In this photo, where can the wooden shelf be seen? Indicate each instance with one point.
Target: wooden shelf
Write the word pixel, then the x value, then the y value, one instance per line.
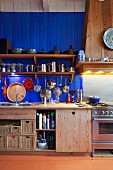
pixel 95 67
pixel 46 129
pixel 65 56
pixel 37 73
pixel 35 57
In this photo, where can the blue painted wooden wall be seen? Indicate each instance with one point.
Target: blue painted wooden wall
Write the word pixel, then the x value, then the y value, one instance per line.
pixel 42 30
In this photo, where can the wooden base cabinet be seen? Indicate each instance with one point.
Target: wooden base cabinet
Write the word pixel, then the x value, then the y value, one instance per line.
pixel 73 130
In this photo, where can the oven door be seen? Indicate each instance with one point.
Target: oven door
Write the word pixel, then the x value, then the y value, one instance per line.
pixel 102 129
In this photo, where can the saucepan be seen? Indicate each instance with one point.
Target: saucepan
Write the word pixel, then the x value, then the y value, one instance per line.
pixel 94 99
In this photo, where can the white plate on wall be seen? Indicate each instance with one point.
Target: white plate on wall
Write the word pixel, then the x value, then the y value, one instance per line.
pixel 108 38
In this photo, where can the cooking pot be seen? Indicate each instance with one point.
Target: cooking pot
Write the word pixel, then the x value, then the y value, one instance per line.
pixel 94 99
pixel 31 51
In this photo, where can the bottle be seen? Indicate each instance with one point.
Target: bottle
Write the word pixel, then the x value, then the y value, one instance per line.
pixel 72 98
pixel 52 122
pixel 68 99
pixel 78 96
pixel 48 119
pixel 40 121
pixel 37 120
pixel 44 121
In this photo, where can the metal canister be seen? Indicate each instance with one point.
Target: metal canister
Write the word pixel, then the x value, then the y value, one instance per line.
pixel 19 67
pixel 43 67
pixel 53 66
pixel 13 67
pixel 61 67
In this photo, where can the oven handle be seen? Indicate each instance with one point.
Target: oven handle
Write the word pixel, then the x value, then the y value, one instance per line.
pixel 99 119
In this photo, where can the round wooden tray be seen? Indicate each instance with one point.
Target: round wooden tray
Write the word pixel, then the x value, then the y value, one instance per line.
pixel 16 89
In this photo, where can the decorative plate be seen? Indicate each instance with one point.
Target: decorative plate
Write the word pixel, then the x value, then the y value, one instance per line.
pixel 108 38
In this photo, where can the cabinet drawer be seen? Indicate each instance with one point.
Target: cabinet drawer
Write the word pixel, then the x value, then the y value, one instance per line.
pixel 5 129
pixel 27 142
pixel 28 126
pixel 2 142
pixel 17 113
pixel 13 142
pixel 15 129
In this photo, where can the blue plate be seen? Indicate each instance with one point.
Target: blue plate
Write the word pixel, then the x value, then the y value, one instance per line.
pixel 108 38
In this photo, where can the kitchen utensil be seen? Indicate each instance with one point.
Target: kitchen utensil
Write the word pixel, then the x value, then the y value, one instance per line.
pixel 61 67
pixel 57 91
pixel 17 50
pixel 8 67
pixel 3 67
pixel 31 51
pixel 60 84
pixel 15 89
pixel 94 99
pixel 70 81
pixel 20 67
pixel 13 67
pixel 51 84
pixel 42 51
pixel 65 89
pixel 70 50
pixel 51 67
pixel 28 83
pixel 37 88
pixel 5 89
pixel 55 51
pixel 45 92
pixel 43 67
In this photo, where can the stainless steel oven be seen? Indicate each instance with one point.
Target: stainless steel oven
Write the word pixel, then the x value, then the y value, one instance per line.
pixel 102 127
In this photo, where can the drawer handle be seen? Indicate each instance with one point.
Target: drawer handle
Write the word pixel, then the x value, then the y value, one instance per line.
pixel 73 113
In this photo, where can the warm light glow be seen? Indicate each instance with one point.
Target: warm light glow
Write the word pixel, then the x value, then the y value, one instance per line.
pixel 87 72
pixel 13 74
pixel 99 72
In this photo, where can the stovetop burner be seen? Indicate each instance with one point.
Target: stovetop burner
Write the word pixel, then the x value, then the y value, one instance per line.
pixel 102 110
pixel 100 104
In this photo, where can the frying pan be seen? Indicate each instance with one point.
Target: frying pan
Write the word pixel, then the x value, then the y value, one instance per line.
pixel 15 89
pixel 45 92
pixel 65 89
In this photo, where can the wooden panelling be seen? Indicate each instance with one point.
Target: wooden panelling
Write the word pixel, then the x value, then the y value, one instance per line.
pixel 73 130
pixel 42 30
pixel 17 113
pixel 99 20
pixel 39 6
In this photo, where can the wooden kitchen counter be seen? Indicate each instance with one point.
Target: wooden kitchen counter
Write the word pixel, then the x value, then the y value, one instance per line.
pixel 38 105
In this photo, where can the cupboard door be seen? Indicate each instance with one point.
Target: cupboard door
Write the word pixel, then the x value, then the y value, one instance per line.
pixel 73 130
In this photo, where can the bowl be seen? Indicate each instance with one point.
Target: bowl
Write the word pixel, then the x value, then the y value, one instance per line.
pixel 42 145
pixel 94 99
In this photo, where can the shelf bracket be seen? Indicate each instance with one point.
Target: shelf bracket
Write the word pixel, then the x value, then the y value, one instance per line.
pixel 72 76
pixel 35 60
pixel 35 76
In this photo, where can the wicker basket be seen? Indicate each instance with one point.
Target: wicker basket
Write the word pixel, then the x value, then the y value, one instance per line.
pixel 27 142
pixel 5 130
pixel 2 142
pixel 15 129
pixel 13 142
pixel 27 126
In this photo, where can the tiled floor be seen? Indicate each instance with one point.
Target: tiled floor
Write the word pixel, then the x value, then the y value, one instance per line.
pixel 9 162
